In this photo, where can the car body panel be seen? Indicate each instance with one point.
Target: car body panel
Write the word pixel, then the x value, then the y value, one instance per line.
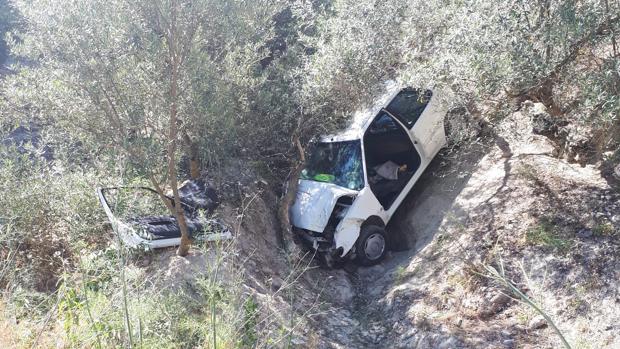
pixel 348 230
pixel 428 132
pixel 315 202
pixel 129 235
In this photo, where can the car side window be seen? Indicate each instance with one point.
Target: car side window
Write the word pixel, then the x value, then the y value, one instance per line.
pixel 383 123
pixel 409 104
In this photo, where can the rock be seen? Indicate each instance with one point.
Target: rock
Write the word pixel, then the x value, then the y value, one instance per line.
pixel 276 283
pixel 448 343
pixel 500 299
pixel 298 341
pixel 617 171
pixel 494 305
pixel 537 323
pixel 508 343
pixel 584 233
pixel 542 122
pixel 341 289
pixel 376 270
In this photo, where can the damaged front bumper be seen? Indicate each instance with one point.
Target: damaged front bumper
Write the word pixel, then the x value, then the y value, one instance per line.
pixel 312 240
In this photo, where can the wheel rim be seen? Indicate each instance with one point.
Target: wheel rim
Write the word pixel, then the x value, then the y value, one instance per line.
pixel 374 246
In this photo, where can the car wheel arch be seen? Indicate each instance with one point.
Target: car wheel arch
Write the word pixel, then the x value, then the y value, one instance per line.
pixel 373 220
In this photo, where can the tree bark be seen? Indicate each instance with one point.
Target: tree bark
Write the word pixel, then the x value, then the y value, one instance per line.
pixel 194 160
pixel 291 193
pixel 613 32
pixel 173 135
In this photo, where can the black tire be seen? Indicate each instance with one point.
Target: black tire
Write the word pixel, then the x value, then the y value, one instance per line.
pixel 368 248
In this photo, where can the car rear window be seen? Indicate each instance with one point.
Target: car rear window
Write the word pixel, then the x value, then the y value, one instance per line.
pixel 409 104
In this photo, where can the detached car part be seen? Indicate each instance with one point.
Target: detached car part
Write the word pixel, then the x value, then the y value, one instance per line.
pixel 146 229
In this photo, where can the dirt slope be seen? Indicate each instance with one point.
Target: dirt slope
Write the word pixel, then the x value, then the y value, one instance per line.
pixel 554 226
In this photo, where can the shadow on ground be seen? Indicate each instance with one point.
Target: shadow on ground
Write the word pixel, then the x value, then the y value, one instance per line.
pixel 419 217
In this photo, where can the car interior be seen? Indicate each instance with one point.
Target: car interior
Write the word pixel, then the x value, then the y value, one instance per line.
pixel 387 141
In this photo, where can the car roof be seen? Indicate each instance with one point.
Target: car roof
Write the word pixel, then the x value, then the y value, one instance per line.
pixel 363 117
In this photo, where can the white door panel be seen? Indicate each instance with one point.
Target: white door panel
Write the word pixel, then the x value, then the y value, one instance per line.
pixel 428 131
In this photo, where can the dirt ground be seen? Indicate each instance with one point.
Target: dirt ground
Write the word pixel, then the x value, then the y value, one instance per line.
pixel 553 226
pixel 502 200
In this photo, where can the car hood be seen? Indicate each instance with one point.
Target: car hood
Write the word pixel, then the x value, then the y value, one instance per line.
pixel 314 204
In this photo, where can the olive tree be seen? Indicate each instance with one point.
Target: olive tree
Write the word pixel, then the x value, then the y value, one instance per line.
pixel 480 49
pixel 145 79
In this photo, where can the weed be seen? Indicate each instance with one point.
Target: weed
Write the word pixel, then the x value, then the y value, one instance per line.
pixel 604 229
pixel 250 337
pixel 546 234
pixel 468 278
pixel 576 304
pixel 423 322
pixel 443 238
pixel 499 275
pixel 527 172
pixel 400 274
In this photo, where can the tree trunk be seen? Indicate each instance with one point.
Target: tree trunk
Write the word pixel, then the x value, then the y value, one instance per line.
pixel 291 193
pixel 173 135
pixel 194 162
pixel 613 33
pixel 543 90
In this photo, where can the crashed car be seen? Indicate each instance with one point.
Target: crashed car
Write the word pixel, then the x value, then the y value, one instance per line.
pixel 142 220
pixel 354 181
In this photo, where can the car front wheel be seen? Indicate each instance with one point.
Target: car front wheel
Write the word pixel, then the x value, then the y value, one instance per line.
pixel 370 247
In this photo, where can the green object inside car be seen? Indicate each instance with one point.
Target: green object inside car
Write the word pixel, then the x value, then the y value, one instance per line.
pixel 323 177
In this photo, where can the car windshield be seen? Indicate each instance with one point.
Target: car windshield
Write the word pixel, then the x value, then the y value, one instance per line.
pixel 339 163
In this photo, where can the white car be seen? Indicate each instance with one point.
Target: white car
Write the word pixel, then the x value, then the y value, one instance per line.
pixel 354 181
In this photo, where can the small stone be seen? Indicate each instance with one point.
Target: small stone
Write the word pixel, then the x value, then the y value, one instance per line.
pixel 276 283
pixel 298 341
pixel 537 322
pixel 508 343
pixel 584 233
pixel 448 343
pixel 500 299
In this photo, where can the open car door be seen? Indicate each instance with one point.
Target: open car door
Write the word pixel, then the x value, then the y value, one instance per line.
pixel 422 112
pixel 140 218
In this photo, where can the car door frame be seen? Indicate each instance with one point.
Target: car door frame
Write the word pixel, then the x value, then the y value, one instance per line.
pixel 428 130
pixel 423 164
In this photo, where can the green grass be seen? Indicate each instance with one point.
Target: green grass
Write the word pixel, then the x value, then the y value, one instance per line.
pixel 400 274
pixel 547 235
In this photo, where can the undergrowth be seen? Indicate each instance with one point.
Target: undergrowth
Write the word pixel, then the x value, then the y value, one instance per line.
pixel 66 283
